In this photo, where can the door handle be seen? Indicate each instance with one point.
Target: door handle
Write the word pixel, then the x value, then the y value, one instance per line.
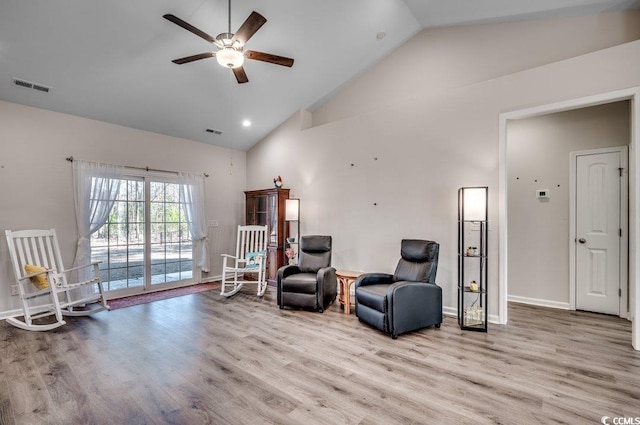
pixel 582 240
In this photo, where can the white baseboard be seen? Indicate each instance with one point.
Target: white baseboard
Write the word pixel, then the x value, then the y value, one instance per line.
pixel 10 313
pixel 450 311
pixel 210 279
pixel 539 302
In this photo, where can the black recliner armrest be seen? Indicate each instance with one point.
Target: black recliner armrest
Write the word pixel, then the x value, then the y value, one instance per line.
pixel 288 270
pixel 327 284
pixel 407 289
pixel 326 277
pixel 283 272
pixel 415 298
pixel 373 279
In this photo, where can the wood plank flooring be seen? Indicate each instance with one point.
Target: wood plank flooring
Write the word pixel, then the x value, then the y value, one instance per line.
pixel 205 359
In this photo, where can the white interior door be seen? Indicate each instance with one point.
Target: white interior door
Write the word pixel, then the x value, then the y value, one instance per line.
pixel 598 232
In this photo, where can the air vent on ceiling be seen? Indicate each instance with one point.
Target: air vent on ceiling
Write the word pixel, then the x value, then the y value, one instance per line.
pixel 214 131
pixel 29 85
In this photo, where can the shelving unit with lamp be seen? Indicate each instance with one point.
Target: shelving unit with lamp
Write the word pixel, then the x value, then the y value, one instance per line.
pixel 472 257
pixel 292 214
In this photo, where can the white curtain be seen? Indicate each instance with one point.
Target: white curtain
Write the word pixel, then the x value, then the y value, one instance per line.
pixel 192 191
pixel 96 187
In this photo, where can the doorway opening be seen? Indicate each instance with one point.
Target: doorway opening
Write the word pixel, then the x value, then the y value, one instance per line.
pixel 632 94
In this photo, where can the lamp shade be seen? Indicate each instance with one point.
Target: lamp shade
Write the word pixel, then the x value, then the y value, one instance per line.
pixel 475 203
pixel 292 210
pixel 230 57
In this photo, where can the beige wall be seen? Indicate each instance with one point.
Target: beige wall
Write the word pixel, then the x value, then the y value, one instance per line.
pixel 35 179
pixel 538 152
pixel 429 142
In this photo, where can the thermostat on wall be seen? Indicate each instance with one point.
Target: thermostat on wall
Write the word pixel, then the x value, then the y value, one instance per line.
pixel 542 193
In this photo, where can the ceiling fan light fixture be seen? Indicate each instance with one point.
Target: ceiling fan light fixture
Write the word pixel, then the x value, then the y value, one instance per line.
pixel 230 57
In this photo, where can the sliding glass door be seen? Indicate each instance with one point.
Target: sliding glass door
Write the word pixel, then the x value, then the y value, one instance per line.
pixel 146 242
pixel 170 242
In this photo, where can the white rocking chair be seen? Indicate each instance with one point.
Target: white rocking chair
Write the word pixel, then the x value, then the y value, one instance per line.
pixel 48 281
pixel 251 257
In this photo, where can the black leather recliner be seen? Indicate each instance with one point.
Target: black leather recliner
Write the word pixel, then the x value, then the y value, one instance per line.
pixel 407 300
pixel 312 284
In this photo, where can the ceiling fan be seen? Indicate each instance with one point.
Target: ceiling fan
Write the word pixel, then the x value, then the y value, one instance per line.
pixel 230 53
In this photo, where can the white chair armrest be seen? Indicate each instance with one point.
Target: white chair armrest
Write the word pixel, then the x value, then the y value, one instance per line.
pixel 29 276
pixel 81 267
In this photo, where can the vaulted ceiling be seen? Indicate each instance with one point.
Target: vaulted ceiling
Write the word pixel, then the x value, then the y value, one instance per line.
pixel 111 60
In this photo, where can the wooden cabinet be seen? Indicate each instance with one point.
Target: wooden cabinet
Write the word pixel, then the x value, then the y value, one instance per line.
pixel 267 207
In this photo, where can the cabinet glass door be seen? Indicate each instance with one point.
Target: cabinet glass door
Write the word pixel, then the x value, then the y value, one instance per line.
pixel 261 210
pixel 251 211
pixel 273 220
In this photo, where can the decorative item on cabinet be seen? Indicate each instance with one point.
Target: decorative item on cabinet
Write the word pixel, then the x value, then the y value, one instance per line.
pixel 291 255
pixel 267 206
pixel 277 182
pixel 472 257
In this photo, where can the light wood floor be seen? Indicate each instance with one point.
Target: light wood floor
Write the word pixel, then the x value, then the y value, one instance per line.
pixel 203 359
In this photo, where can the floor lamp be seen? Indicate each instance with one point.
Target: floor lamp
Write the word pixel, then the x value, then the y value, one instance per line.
pixel 292 213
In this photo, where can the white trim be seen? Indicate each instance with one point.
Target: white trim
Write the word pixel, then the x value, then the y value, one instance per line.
pixel 538 302
pixel 632 94
pixel 450 311
pixel 210 279
pixel 572 230
pixel 11 313
pixel 624 219
pixel 634 220
pixel 503 251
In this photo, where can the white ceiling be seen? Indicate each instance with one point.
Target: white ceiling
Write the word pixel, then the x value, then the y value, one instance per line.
pixel 111 60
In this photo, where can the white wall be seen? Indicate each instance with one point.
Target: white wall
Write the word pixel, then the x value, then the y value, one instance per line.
pixel 429 142
pixel 35 178
pixel 538 152
pixel 440 59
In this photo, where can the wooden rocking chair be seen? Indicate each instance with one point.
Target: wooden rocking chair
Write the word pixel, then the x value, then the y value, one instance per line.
pixel 251 257
pixel 40 275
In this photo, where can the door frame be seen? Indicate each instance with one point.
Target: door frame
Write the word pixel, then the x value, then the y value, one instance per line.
pixel 633 95
pixel 624 220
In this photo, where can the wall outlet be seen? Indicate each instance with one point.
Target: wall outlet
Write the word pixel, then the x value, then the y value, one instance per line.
pixel 15 290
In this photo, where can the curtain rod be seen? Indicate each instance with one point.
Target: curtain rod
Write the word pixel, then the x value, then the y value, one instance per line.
pixel 70 159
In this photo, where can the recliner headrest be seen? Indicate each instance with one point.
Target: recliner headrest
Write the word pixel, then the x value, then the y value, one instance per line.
pixel 315 243
pixel 417 250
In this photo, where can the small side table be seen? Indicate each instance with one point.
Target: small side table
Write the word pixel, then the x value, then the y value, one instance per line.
pixel 346 278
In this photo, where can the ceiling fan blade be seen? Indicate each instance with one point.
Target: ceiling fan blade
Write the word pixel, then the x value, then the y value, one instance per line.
pixel 193 58
pixel 188 27
pixel 248 28
pixel 268 57
pixel 241 76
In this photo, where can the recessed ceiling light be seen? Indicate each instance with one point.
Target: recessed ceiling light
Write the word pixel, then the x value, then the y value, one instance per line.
pixel 381 35
pixel 246 123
